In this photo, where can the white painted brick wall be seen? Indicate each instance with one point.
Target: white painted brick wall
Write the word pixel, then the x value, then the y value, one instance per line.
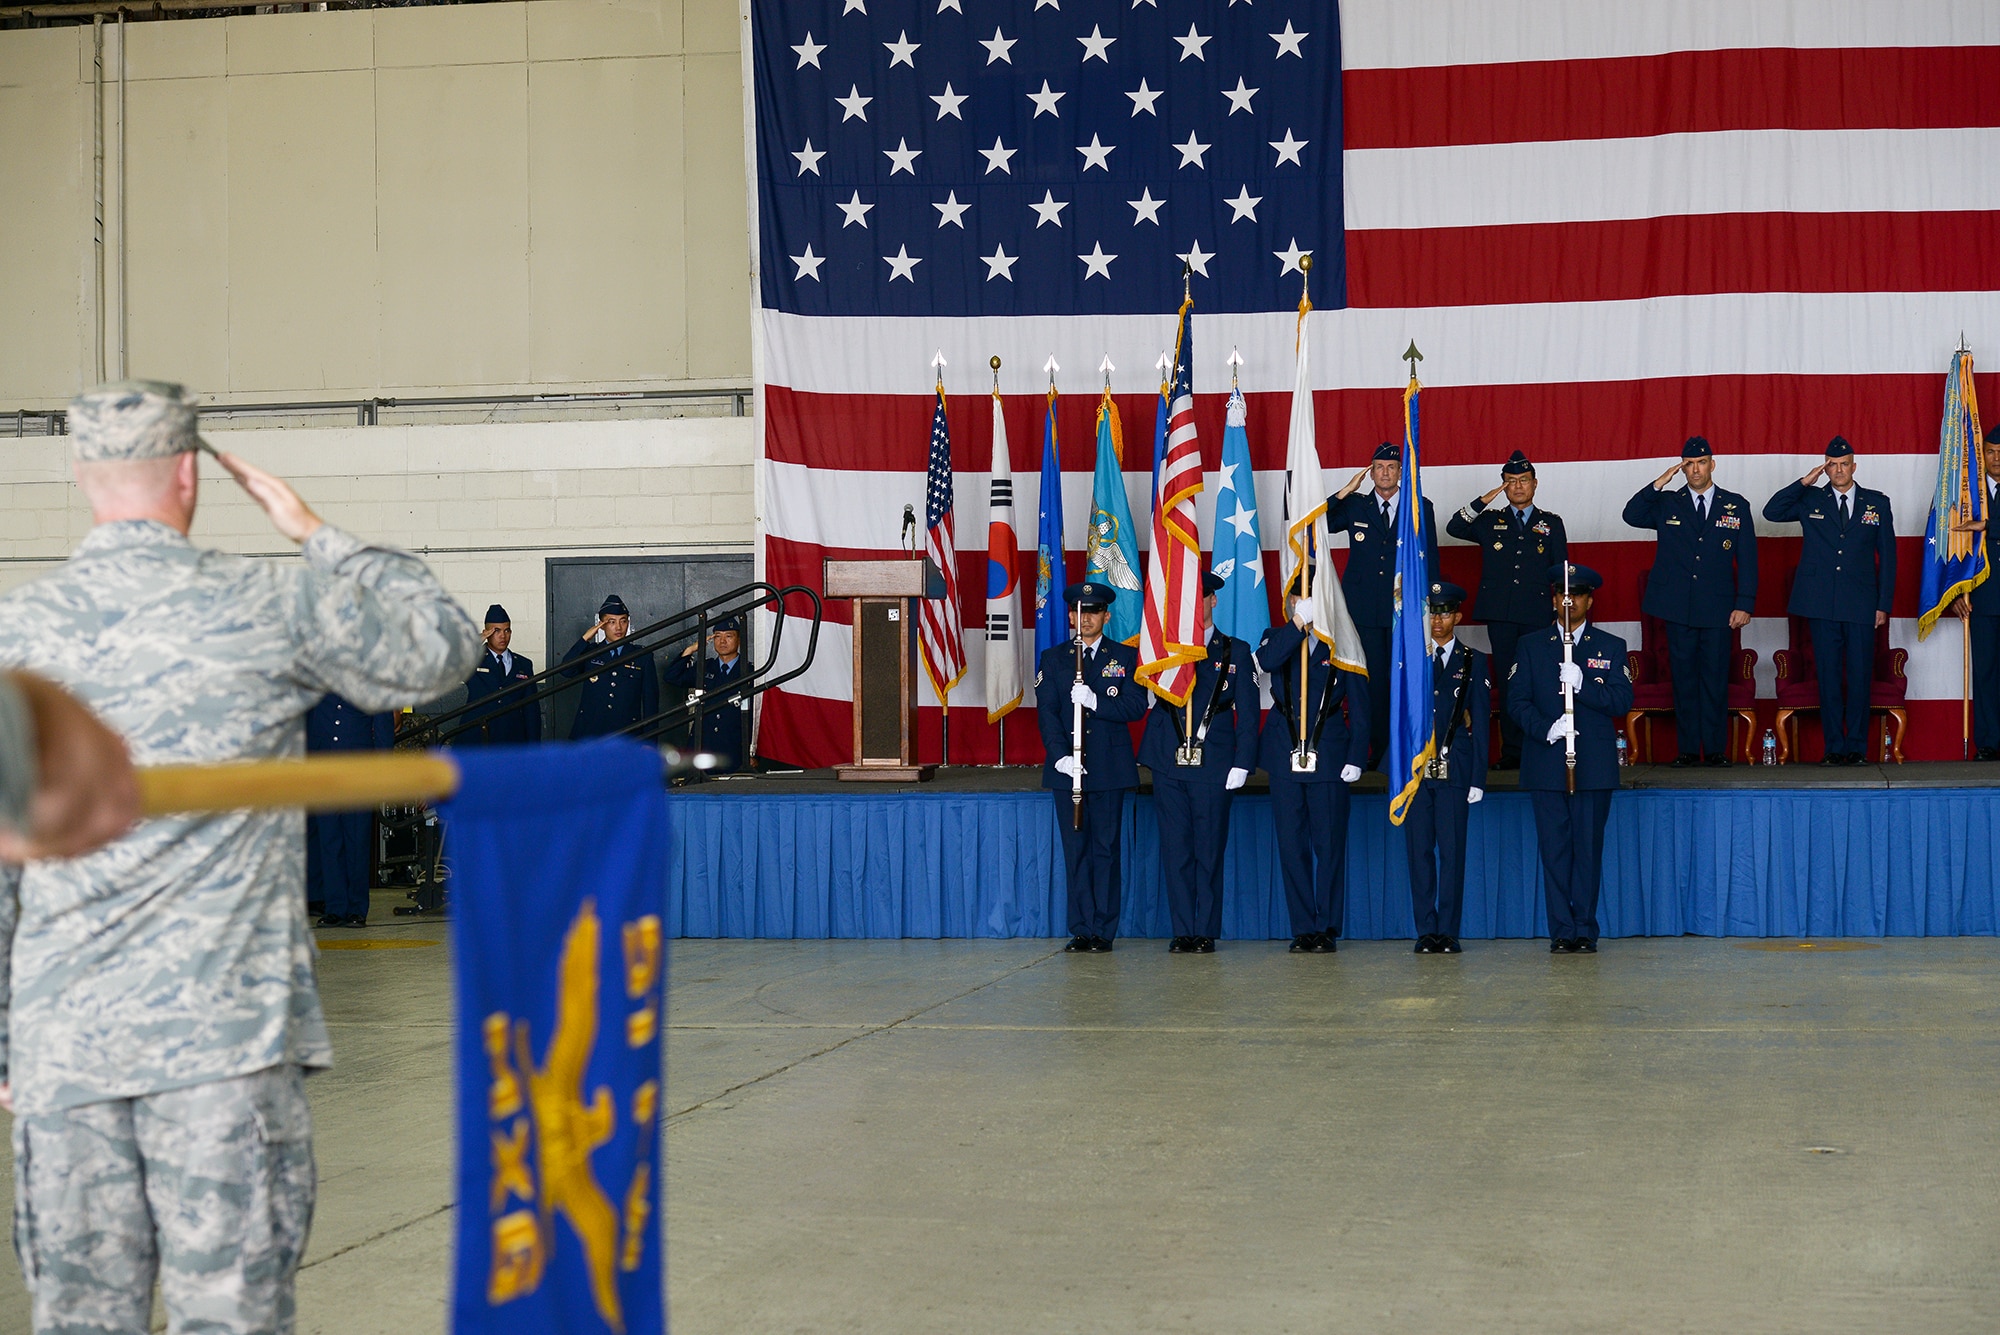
pixel 678 484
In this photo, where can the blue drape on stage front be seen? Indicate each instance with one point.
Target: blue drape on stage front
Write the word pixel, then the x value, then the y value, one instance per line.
pixel 556 855
pixel 1756 862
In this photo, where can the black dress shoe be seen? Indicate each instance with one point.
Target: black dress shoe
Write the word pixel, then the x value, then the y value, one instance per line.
pixel 1832 758
pixel 1302 945
pixel 1583 945
pixel 331 920
pixel 1685 759
pixel 1325 943
pixel 1507 762
pixel 1179 945
pixel 1562 945
pixel 1717 762
pixel 1987 753
pixel 1077 945
pixel 1203 945
pixel 1099 945
pixel 355 920
pixel 1449 946
pixel 1426 945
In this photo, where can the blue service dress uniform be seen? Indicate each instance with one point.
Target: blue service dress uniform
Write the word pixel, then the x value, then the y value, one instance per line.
pixel 622 688
pixel 1369 585
pixel 1570 826
pixel 340 845
pixel 1519 552
pixel 1847 573
pixel 509 722
pixel 1110 770
pixel 1311 809
pixel 1434 825
pixel 1984 627
pixel 1192 802
pixel 1704 568
pixel 722 726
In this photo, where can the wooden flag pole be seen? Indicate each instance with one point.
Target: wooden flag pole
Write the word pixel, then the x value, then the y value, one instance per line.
pixel 1965 687
pixel 317 783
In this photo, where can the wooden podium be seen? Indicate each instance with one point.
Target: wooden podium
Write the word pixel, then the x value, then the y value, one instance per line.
pixel 885 595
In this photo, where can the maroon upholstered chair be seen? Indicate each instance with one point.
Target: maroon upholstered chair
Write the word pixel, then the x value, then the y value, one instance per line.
pixel 1798 688
pixel 1653 686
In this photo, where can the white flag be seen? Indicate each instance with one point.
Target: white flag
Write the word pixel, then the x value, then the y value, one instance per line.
pixel 1305 524
pixel 1003 584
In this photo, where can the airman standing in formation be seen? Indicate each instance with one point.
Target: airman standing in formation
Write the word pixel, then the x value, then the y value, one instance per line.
pixel 516 717
pixel 623 687
pixel 1982 612
pixel 721 726
pixel 1434 827
pixel 1369 581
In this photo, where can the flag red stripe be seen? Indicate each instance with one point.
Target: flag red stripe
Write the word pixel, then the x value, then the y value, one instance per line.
pixel 1680 92
pixel 1680 255
pixel 1747 414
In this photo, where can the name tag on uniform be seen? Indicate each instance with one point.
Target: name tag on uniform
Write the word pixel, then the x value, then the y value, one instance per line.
pixel 482 669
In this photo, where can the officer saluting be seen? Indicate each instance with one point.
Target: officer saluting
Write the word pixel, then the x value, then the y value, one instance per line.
pixel 1520 547
pixel 1369 582
pixel 1569 825
pixel 1434 827
pixel 1846 577
pixel 509 721
pixel 623 687
pixel 1199 755
pixel 722 726
pixel 1703 586
pixel 1309 791
pixel 1099 673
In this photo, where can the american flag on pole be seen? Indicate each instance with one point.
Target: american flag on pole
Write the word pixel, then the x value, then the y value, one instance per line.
pixel 940 628
pixel 1608 226
pixel 1170 638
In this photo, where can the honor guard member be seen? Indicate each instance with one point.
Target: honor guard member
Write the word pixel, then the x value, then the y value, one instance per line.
pixel 1199 755
pixel 516 716
pixel 1569 825
pixel 1369 520
pixel 160 1009
pixel 1520 546
pixel 722 726
pixel 1982 612
pixel 1100 676
pixel 340 845
pixel 1434 826
pixel 1703 586
pixel 1845 580
pixel 1309 792
pixel 622 687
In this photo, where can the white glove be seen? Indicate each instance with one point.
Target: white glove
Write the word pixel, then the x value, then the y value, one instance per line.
pixel 1349 773
pixel 1572 676
pixel 1303 613
pixel 1070 768
pixel 1561 728
pixel 1237 778
pixel 1473 795
pixel 1079 694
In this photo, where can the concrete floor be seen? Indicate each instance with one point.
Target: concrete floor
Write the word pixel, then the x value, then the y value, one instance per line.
pixel 991 1136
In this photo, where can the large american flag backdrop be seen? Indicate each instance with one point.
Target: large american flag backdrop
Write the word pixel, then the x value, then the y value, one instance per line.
pixel 1607 227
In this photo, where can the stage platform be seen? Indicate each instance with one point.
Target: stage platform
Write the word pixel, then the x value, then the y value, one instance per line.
pixel 1875 850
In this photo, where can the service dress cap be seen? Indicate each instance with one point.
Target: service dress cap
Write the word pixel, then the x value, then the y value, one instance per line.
pixel 1697 448
pixel 1211 582
pixel 614 606
pixel 1838 448
pixel 1993 435
pixel 729 624
pixel 1388 453
pixel 1582 579
pixel 1090 594
pixel 132 419
pixel 1517 464
pixel 1446 596
pixel 496 615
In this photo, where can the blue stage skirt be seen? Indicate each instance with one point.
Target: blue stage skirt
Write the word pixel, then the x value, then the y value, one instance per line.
pixel 1758 862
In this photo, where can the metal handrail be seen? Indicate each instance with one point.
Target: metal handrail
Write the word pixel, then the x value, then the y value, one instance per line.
pixel 701 700
pixel 553 681
pixel 367 412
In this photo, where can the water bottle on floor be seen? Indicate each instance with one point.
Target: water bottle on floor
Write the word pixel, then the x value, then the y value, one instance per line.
pixel 1623 757
pixel 1770 746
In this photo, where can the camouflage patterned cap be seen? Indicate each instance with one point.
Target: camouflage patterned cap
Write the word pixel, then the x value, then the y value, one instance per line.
pixel 132 419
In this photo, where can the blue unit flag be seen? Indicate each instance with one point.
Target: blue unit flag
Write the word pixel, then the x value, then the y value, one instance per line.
pixel 1243 607
pixel 1411 745
pixel 1112 545
pixel 1051 576
pixel 560 959
pixel 1954 552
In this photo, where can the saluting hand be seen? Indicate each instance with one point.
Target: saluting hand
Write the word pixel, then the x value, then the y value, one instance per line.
pixel 289 515
pixel 1487 499
pixel 1352 483
pixel 1667 476
pixel 1810 478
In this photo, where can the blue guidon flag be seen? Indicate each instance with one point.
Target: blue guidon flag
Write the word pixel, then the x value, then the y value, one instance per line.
pixel 1411 744
pixel 1954 552
pixel 560 967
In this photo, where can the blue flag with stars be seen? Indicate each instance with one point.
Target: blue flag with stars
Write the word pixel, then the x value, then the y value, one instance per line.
pixel 1243 607
pixel 1051 578
pixel 952 158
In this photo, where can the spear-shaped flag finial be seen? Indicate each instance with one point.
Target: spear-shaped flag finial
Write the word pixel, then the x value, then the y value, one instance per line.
pixel 1105 368
pixel 1051 367
pixel 1235 364
pixel 937 364
pixel 1412 356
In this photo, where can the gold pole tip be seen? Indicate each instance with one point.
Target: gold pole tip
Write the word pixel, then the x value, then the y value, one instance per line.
pixel 995 363
pixel 1305 264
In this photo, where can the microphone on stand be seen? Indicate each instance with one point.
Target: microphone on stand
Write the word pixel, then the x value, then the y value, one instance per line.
pixel 909 528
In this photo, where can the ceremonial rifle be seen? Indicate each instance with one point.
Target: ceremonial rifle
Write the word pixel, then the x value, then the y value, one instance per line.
pixel 1076 740
pixel 1569 696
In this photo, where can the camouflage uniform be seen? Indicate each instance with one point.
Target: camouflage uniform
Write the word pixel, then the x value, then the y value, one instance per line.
pixel 162 994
